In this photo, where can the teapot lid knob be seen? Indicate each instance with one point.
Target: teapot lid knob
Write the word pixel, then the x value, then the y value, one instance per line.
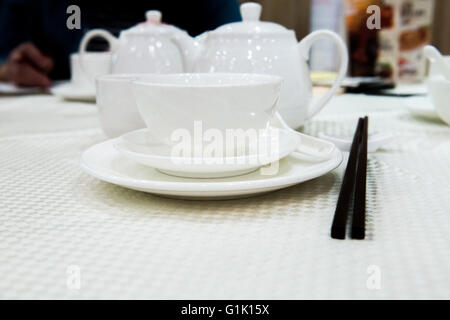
pixel 250 11
pixel 153 16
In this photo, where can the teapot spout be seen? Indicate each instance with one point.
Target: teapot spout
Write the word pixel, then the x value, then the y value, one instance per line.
pixel 189 47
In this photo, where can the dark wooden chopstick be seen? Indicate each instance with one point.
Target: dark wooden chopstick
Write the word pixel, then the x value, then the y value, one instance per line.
pixel 359 206
pixel 345 195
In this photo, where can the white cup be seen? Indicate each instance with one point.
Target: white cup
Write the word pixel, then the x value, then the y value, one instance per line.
pixel 118 113
pixel 439 90
pixel 95 64
pixel 221 101
pixel 434 69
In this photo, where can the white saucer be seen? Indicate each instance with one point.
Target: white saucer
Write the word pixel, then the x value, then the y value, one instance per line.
pixel 421 107
pixel 104 162
pixel 141 147
pixel 70 91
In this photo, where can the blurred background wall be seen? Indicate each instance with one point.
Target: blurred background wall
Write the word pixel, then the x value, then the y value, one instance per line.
pixel 441 27
pixel 295 14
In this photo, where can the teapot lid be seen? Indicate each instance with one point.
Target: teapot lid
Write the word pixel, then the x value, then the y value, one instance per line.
pixel 153 25
pixel 251 24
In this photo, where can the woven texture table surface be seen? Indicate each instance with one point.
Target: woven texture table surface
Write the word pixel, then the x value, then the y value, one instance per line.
pixel 55 219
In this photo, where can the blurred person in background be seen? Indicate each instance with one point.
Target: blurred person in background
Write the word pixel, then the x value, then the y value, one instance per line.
pixel 35 42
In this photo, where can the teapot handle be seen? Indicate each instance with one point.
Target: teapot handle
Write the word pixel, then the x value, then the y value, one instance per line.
pixel 305 45
pixel 112 41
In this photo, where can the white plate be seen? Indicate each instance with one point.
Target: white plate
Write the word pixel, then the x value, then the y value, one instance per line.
pixel 421 107
pixel 408 89
pixel 141 147
pixel 104 162
pixel 12 89
pixel 70 91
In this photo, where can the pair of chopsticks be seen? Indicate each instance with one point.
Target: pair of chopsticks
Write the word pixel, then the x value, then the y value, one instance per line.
pixel 353 190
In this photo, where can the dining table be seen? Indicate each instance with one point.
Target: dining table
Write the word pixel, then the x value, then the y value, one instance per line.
pixel 66 235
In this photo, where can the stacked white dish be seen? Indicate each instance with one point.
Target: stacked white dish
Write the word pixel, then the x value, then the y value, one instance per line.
pixel 104 162
pixel 186 149
pixel 171 130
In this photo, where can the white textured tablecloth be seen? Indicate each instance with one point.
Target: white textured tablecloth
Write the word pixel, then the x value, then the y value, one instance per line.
pixel 64 234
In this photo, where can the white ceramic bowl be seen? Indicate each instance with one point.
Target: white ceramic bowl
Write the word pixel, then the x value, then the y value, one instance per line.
pixel 118 112
pixel 439 90
pixel 219 101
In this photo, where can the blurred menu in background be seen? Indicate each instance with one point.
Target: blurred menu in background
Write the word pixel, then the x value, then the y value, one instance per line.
pixel 394 51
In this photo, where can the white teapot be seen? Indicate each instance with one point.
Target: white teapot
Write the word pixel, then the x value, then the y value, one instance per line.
pixel 149 47
pixel 253 46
